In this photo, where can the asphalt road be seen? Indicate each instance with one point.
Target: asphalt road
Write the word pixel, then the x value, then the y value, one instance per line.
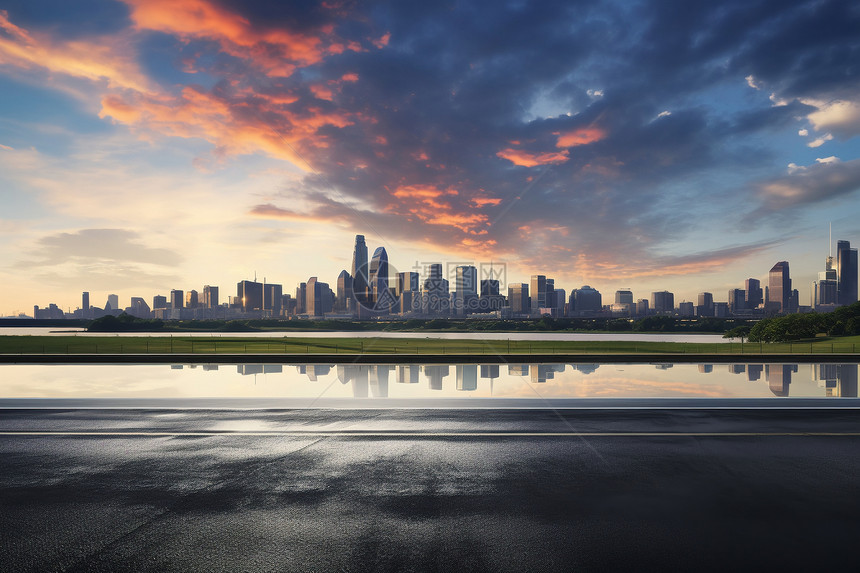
pixel 414 490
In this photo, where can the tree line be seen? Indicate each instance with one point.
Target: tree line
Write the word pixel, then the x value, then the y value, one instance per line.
pixel 844 321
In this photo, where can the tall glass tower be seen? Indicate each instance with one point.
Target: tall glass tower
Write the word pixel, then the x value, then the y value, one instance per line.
pixel 846 268
pixel 379 279
pixel 360 281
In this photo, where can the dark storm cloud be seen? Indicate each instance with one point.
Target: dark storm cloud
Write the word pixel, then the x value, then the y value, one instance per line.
pixel 579 127
pixel 454 97
pixel 77 19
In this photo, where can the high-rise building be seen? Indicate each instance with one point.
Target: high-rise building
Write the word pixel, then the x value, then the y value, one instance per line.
pixel 320 298
pixel 302 298
pixel 538 292
pixel 344 292
pixel 737 300
pixel 779 289
pixel 192 299
pixel 85 301
pixel 642 307
pixel 406 291
pixel 518 298
pixel 273 294
pixel 210 297
pixel 177 299
pixel 491 298
pixel 560 299
pixel 623 297
pixel 705 304
pixel 159 301
pixel 250 295
pixel 846 268
pixel 465 290
pixel 663 302
pixel 586 300
pixel 378 277
pixel 753 293
pixel 435 299
pixel 360 270
pixel 139 308
pixel 112 302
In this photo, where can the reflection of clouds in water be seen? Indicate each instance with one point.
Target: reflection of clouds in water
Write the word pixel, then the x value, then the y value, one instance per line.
pixel 611 387
pixel 532 381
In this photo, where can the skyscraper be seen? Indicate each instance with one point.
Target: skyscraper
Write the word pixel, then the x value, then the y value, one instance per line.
pixel 177 299
pixel 737 300
pixel 779 288
pixel 344 292
pixel 435 295
pixel 210 297
pixel 273 295
pixel 623 297
pixel 663 302
pixel 754 294
pixel 407 292
pixel 705 304
pixel 846 268
pixel 360 279
pixel 465 290
pixel 302 298
pixel 192 299
pixel 320 298
pixel 85 301
pixel 518 298
pixel 250 295
pixel 382 298
pixel 538 292
pixel 586 300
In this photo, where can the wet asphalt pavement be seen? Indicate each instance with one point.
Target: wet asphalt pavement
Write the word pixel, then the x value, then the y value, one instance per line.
pixel 416 490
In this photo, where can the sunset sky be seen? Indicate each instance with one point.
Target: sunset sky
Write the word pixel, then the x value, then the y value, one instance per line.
pixel 147 145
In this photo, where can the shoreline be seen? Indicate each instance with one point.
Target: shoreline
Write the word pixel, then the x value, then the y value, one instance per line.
pixel 466 358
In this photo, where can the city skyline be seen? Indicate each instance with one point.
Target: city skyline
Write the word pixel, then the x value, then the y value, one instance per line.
pixel 372 289
pixel 147 145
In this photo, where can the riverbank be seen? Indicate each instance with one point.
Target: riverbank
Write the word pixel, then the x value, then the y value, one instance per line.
pixel 526 358
pixel 199 347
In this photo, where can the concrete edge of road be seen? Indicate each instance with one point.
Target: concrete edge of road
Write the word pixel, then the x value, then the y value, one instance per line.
pixel 403 359
pixel 412 404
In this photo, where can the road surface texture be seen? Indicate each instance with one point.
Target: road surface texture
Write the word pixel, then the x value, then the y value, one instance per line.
pixel 573 489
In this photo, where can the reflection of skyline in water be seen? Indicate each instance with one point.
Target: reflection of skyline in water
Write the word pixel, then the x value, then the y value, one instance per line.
pixel 432 381
pixel 838 380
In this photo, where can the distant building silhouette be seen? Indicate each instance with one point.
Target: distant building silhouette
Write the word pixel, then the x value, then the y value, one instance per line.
pixel 754 293
pixel 846 268
pixel 779 288
pixel 518 298
pixel 663 302
pixel 210 297
pixel 177 299
pixel 250 295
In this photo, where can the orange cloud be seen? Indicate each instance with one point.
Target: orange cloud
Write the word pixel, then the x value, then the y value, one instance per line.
pixel 228 125
pixel 321 92
pixel 350 77
pixel 484 201
pixel 422 191
pixel 278 52
pixel 101 60
pixel 582 136
pixel 526 159
pixel 382 41
pixel 464 222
